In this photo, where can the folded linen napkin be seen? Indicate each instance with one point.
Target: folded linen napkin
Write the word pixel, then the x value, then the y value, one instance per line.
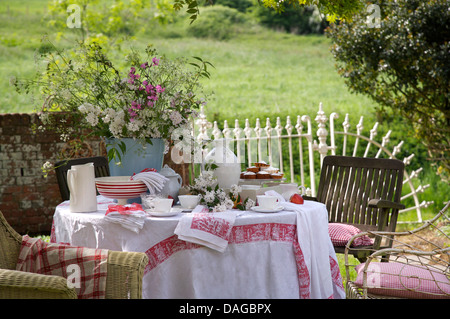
pixel 89 280
pixel 208 229
pixel 150 177
pixel 317 249
pixel 130 216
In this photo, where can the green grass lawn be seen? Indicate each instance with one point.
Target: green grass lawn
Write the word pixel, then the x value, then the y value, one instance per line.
pixel 257 74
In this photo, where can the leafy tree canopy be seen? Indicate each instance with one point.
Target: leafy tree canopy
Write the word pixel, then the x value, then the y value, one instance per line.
pixel 333 9
pixel 401 59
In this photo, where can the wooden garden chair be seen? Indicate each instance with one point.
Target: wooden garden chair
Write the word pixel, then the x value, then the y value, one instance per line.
pixel 418 267
pixel 361 193
pixel 101 168
pixel 124 273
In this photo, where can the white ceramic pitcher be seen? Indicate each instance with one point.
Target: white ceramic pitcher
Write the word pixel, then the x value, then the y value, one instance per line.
pixel 228 164
pixel 81 183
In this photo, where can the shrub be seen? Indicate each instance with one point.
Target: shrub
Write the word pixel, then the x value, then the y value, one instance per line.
pixel 240 5
pixel 403 64
pixel 294 19
pixel 218 22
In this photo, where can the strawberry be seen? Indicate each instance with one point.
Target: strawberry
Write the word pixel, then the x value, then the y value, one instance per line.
pixel 296 199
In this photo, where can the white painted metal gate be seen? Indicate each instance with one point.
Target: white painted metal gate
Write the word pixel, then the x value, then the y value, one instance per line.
pixel 293 147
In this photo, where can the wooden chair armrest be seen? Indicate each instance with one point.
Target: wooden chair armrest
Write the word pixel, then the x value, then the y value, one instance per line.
pixel 306 197
pixel 24 285
pixel 125 272
pixel 381 203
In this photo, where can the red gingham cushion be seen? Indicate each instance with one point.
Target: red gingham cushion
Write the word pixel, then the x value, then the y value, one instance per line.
pixel 404 281
pixel 340 234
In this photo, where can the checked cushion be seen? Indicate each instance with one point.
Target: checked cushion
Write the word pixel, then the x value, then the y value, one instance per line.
pixel 404 281
pixel 340 234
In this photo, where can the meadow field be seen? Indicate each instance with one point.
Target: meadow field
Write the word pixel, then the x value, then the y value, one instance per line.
pixel 257 73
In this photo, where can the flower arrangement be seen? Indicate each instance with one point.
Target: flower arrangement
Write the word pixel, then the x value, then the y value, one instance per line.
pixel 151 98
pixel 215 198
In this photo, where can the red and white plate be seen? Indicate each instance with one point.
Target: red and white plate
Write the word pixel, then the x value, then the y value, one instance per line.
pixel 119 187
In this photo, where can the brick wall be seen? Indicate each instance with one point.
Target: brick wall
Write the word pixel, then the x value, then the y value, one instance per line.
pixel 27 198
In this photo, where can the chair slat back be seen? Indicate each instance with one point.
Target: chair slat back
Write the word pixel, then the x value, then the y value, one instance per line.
pixel 348 183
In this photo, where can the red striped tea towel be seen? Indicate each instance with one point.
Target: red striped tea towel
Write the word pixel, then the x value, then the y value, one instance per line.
pixel 208 229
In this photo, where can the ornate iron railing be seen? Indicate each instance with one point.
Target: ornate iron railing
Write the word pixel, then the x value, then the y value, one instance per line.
pixel 285 147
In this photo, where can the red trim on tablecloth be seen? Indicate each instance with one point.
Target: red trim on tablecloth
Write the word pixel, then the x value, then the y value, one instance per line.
pixel 240 235
pixel 336 273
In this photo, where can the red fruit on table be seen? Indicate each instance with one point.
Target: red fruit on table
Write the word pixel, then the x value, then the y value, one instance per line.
pixel 296 199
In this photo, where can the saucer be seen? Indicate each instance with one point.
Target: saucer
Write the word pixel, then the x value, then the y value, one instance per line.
pixel 182 209
pixel 172 212
pixel 266 210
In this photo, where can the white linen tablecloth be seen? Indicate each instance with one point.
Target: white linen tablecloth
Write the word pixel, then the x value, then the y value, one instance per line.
pixel 269 255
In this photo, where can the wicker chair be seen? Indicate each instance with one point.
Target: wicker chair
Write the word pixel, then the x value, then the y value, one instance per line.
pixel 124 273
pixel 418 267
pixel 362 192
pixel 101 169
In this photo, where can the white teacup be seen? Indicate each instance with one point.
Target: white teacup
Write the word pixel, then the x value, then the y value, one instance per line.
pixel 266 201
pixel 162 204
pixel 189 201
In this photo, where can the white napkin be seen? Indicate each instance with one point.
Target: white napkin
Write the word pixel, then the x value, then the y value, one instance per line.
pixel 130 216
pixel 208 229
pixel 154 180
pixel 315 243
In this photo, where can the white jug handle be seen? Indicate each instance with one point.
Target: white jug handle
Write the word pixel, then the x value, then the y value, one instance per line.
pixel 180 180
pixel 303 190
pixel 71 184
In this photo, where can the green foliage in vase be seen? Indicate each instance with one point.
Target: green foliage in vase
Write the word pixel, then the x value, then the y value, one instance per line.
pixel 148 97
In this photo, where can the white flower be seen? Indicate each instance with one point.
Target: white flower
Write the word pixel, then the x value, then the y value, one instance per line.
pixel 64 137
pixel 135 125
pixel 221 195
pixel 228 203
pixel 249 204
pixel 209 197
pixel 235 190
pixel 92 119
pixel 117 123
pixel 219 208
pixel 47 166
pixel 44 117
pixel 109 114
pixel 176 117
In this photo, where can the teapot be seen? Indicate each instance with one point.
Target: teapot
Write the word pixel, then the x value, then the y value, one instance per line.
pixel 81 184
pixel 173 185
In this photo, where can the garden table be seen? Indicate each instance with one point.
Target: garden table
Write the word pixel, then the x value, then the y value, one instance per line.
pixel 287 254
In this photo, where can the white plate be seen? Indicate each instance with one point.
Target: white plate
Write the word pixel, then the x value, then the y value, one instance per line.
pixel 172 212
pixel 266 210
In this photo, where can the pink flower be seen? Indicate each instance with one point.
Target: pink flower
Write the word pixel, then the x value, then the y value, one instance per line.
pixel 159 89
pixel 144 65
pixel 149 88
pixel 155 61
